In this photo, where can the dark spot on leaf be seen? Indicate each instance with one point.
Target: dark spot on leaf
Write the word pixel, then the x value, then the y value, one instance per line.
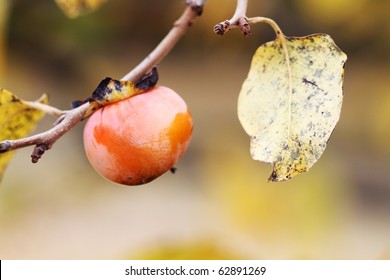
pixel 101 90
pixel 118 85
pixel 273 176
pixel 14 99
pixel 306 81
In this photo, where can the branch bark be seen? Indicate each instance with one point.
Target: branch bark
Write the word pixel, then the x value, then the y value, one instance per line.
pixel 68 119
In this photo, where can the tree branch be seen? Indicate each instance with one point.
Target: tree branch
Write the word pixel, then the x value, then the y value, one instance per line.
pixel 240 11
pixel 68 119
pixel 45 140
pixel 238 20
pixel 180 27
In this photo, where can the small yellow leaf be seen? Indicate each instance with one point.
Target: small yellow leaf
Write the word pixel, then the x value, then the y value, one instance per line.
pixel 75 8
pixel 291 101
pixel 17 120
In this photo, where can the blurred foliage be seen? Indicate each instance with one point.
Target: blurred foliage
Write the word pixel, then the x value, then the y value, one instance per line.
pixel 359 33
pixel 4 5
pixel 217 204
pixel 201 250
pixel 76 8
pixel 17 120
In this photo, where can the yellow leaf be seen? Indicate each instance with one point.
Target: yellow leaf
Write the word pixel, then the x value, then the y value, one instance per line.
pixel 291 101
pixel 75 8
pixel 17 120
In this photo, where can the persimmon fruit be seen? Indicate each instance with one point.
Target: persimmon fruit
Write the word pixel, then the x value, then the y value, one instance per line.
pixel 135 140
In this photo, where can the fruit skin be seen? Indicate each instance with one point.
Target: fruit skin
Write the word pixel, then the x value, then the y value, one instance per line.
pixel 135 140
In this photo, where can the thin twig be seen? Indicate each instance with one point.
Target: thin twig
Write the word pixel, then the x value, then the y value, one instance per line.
pixel 179 28
pixel 46 139
pixel 68 119
pixel 238 20
pixel 240 11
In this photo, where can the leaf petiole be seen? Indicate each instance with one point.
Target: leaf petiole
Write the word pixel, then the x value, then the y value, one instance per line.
pixel 38 105
pixel 282 39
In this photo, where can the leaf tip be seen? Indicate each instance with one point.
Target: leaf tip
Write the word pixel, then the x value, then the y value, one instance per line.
pixel 277 176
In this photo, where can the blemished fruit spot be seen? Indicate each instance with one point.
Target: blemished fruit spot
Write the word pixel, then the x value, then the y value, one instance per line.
pixel 135 140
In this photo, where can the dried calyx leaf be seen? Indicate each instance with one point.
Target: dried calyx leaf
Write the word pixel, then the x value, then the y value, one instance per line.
pixel 291 101
pixel 110 91
pixel 17 120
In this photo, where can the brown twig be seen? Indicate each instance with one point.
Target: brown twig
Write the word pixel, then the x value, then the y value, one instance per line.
pixel 180 27
pixel 238 20
pixel 45 140
pixel 68 119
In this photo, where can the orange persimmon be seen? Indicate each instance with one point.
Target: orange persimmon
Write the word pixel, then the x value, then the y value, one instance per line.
pixel 135 140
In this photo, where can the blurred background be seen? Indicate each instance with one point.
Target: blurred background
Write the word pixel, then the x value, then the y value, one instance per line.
pixel 218 205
